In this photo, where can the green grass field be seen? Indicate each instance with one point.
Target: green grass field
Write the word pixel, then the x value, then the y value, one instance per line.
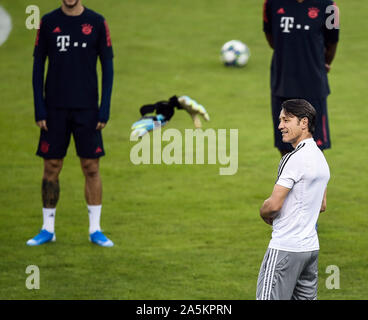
pixel 180 231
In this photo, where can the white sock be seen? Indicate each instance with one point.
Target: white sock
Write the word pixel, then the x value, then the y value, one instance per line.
pixel 94 213
pixel 49 219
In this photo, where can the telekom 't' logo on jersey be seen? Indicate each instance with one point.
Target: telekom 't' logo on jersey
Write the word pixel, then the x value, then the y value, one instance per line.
pixel 287 23
pixel 63 42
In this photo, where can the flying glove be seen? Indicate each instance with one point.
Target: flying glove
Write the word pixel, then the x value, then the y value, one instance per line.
pixel 194 109
pixel 146 124
pixel 164 111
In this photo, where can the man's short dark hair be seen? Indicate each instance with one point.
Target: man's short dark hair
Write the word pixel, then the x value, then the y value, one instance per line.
pixel 301 108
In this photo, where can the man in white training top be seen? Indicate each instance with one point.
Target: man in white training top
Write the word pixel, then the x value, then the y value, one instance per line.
pixel 290 266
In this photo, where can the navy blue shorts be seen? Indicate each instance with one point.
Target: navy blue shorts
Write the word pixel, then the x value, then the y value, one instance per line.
pixel 321 134
pixel 61 124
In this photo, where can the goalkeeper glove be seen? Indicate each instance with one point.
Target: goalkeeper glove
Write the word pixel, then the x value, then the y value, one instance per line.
pixel 194 109
pixel 165 111
pixel 146 124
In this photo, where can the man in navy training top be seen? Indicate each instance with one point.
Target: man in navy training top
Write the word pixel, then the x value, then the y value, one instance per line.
pixel 303 35
pixel 72 38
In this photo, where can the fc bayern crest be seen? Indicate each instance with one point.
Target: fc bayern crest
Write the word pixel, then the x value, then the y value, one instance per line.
pixel 313 13
pixel 87 29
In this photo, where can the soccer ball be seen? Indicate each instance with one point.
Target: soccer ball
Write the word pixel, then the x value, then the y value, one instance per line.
pixel 235 53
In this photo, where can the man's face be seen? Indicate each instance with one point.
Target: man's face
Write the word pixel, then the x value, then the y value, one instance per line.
pixel 70 3
pixel 290 127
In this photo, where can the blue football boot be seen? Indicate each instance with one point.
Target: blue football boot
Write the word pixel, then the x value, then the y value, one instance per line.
pixel 99 238
pixel 43 237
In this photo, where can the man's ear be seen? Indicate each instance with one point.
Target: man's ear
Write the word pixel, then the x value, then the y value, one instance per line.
pixel 304 122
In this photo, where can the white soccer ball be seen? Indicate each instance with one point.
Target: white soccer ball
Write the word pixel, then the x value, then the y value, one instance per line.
pixel 5 25
pixel 235 53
